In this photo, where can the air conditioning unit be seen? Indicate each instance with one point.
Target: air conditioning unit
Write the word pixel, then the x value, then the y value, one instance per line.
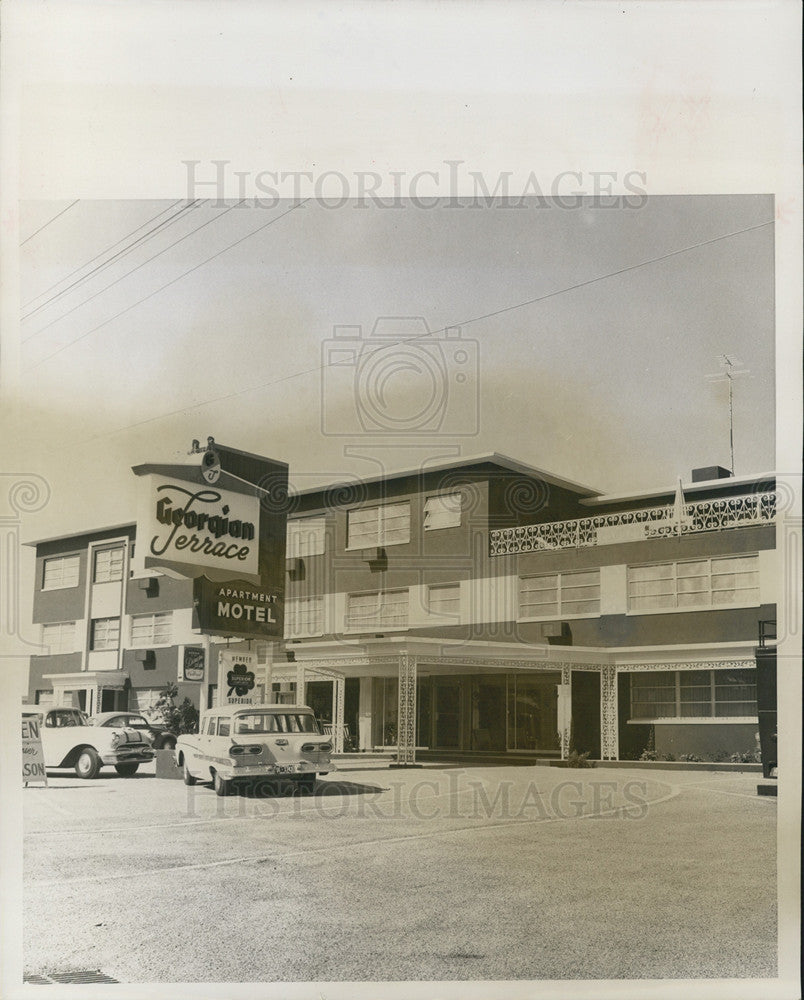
pixel 555 630
pixel 373 555
pixel 294 565
pixel 149 584
pixel 147 657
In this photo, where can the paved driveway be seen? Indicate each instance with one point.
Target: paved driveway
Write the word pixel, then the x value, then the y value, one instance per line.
pixel 427 874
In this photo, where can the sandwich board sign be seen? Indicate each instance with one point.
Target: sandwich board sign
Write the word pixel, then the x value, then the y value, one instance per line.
pixel 33 757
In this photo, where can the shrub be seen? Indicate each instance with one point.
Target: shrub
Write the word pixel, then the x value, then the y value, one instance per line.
pixel 690 758
pixel 746 757
pixel 182 718
pixel 649 753
pixel 575 759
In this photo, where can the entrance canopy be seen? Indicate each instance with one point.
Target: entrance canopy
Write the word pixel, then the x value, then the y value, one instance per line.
pixel 90 690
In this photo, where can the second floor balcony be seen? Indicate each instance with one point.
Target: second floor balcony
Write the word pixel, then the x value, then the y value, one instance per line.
pixel 664 521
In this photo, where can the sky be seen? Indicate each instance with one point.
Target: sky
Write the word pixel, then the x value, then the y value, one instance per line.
pixel 585 335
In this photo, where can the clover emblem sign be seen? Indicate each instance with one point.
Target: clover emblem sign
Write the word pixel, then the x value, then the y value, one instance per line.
pixel 240 680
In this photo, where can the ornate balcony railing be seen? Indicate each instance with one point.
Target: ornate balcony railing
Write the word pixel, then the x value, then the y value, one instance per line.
pixel 637 525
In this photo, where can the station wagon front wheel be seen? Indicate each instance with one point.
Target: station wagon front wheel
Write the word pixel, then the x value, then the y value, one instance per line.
pixel 221 785
pixel 88 763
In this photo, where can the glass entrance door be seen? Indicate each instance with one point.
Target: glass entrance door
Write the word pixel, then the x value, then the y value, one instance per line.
pixel 447 714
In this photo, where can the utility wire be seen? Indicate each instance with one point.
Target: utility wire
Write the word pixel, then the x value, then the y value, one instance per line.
pixel 121 278
pixel 174 280
pixel 39 230
pixel 475 319
pixel 101 267
pixel 99 255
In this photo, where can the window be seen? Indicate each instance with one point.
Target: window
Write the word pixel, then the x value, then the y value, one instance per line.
pixel 557 594
pixel 144 699
pixel 59 637
pixel 224 726
pixel 369 527
pixel 105 633
pixel 264 722
pixel 306 537
pixel 379 610
pixel 443 511
pixel 152 630
pixel 735 693
pixel 694 694
pixel 108 565
pixel 444 599
pixel 60 572
pixel 304 617
pixel 730 580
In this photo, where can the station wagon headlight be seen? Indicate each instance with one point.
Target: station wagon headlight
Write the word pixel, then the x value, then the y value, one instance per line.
pixel 312 747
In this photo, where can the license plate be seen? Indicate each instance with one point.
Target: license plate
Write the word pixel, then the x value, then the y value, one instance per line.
pixel 287 769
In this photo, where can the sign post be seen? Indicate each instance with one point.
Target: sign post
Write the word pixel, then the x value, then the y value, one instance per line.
pixel 221 523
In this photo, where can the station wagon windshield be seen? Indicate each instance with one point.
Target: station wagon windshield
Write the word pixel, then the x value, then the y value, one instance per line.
pixel 285 722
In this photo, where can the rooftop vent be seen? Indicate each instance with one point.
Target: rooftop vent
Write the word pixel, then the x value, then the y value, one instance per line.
pixel 710 472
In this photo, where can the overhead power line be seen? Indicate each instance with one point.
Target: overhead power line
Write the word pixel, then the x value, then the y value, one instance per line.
pixel 122 253
pixel 57 216
pixel 122 277
pixel 497 312
pixel 174 280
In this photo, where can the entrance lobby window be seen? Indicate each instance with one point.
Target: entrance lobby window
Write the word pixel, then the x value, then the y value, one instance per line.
pixel 385 697
pixel 488 713
pixel 533 712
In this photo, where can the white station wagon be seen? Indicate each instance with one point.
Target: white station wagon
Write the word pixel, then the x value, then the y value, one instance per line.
pixel 255 743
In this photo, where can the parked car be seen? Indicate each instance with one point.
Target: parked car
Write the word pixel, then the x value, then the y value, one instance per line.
pixel 68 740
pixel 160 737
pixel 248 743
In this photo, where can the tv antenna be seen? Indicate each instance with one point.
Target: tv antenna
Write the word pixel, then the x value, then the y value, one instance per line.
pixel 729 373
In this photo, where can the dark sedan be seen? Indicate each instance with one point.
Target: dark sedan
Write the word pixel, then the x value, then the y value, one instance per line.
pixel 159 737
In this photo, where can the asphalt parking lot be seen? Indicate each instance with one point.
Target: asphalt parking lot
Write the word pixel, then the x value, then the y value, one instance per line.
pixel 425 874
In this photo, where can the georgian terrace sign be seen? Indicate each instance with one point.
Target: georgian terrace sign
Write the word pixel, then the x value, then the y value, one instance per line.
pixel 198 528
pixel 221 523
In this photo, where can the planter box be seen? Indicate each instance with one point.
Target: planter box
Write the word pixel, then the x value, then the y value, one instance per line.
pixel 679 765
pixel 166 765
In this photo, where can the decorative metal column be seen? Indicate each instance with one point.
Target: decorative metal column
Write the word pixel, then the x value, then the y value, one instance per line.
pixel 338 699
pixel 565 711
pixel 299 683
pixel 609 733
pixel 406 729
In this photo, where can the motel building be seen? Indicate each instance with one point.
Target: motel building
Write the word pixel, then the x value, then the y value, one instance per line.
pixel 478 609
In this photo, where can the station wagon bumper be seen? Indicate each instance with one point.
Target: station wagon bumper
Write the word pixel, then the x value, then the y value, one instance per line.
pixel 297 769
